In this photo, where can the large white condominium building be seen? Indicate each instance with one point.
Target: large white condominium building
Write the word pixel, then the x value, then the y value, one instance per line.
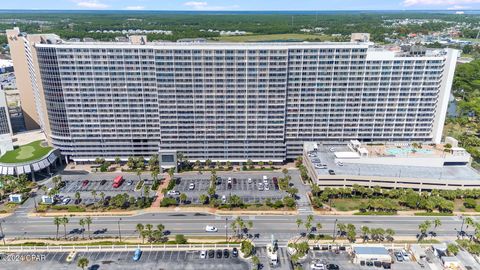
pixel 234 101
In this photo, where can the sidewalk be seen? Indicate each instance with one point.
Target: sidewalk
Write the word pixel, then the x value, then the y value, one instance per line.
pixel 160 195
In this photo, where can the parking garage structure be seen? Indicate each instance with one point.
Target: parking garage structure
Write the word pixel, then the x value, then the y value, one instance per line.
pixel 389 166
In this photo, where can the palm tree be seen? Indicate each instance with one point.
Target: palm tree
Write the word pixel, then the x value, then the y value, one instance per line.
pixel 155 174
pixel 161 228
pixel 83 262
pixel 139 174
pixel 94 195
pixel 183 197
pixel 81 222
pixel 171 172
pixel 102 196
pixel 365 231
pixel 144 235
pixel 249 225
pixel 390 233
pixel 88 221
pixel 57 221
pixel 77 196
pixel 436 222
pixel 65 221
pixel 233 226
pixel 139 228
pixel 117 160
pixel 299 222
pixel 255 262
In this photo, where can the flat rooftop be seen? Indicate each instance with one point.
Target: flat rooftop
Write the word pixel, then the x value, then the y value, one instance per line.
pixel 327 157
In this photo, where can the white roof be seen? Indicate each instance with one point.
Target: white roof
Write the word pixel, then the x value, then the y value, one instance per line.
pixel 347 155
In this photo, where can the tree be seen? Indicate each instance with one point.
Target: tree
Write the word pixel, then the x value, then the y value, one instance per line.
pixel 171 172
pixel 77 196
pixel 452 249
pixel 255 262
pixel 118 160
pixel 203 198
pixel 197 163
pixel 102 196
pixel 81 222
pixel 247 248
pixel 250 163
pixel 351 232
pixel 390 233
pixel 423 227
pixel 94 195
pixel 65 221
pixel 144 234
pixel 88 221
pixel 183 197
pixel 138 172
pixel 57 221
pixel 83 262
pixel 365 231
pixel 270 163
pixel 229 164
pixel 261 164
pixel 139 228
pixel 285 172
pixel 208 162
pixel 436 222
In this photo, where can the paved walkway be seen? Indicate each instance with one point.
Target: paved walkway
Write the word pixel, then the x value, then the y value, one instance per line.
pixel 162 185
pixel 303 204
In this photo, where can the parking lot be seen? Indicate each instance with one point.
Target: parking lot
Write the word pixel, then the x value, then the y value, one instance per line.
pixel 233 184
pixel 343 260
pixel 72 186
pixel 124 260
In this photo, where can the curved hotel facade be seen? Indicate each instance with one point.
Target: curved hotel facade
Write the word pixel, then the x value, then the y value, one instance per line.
pixel 233 101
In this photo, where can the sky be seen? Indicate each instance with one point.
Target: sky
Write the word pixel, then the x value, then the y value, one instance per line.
pixel 241 4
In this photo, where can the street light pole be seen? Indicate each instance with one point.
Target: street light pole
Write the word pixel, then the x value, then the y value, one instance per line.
pixel 226 229
pixel 334 226
pixel 1 230
pixel 119 233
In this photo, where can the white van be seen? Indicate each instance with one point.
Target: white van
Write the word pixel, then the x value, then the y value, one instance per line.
pixel 273 259
pixel 265 179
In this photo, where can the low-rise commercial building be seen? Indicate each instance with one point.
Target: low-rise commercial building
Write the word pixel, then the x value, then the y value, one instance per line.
pixel 364 254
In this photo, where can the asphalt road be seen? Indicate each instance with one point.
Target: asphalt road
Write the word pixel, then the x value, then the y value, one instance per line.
pixel 282 227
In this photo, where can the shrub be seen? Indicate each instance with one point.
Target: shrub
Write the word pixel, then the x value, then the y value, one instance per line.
pixel 180 239
pixel 289 201
pixel 168 202
pixel 317 202
pixel 246 248
pixel 470 203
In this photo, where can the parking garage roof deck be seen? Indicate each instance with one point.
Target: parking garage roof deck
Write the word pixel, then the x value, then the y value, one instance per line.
pixel 327 157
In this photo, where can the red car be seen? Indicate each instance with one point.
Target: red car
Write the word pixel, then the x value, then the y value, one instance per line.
pixel 85 183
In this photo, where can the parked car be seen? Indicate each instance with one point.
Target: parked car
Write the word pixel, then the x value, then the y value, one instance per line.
pixel 203 254
pixel 235 180
pixel 210 228
pixel 191 186
pixel 265 179
pixel 234 252
pixel 137 255
pixel 267 187
pixel 331 172
pixel 130 182
pixel 317 266
pixel 71 256
pixel 66 200
pixel 398 256
pixel 173 193
pixel 229 181
pixel 211 254
pixel 219 254
pixel 249 180
pixel 226 253
pixel 85 183
pixel 405 255
pixel 103 182
pixel 224 199
pixel 332 266
pixel 260 186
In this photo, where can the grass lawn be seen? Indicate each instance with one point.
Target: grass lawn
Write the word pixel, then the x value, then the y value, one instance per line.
pixel 24 153
pixel 274 37
pixel 347 204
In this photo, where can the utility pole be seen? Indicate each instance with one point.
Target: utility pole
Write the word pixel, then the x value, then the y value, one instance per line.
pixel 1 230
pixel 119 233
pixel 334 226
pixel 226 229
